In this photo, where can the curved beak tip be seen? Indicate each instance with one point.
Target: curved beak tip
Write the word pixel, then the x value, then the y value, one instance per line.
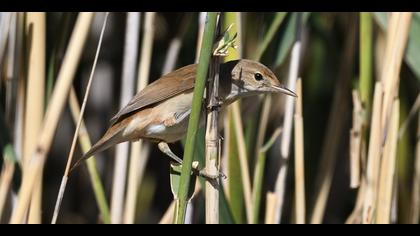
pixel 282 89
pixel 291 94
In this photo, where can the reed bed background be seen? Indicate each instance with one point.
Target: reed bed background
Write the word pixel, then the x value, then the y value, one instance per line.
pixel 347 150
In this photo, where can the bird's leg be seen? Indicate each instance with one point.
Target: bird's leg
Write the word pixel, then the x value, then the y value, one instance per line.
pixel 164 147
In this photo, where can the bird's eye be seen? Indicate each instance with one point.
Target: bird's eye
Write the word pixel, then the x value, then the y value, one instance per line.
pixel 258 77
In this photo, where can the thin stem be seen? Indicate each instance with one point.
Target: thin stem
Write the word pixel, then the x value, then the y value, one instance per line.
pixel 205 54
pixel 268 37
pixel 175 45
pixel 86 144
pixel 79 122
pixel 11 68
pixel 414 109
pixel 366 60
pixel 5 18
pixel 231 157
pixel 243 160
pixel 259 168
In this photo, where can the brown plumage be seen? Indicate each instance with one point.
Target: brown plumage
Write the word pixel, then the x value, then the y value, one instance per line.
pixel 167 86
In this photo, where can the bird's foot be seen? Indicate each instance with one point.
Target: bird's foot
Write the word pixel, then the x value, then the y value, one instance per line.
pixel 215 105
pixel 203 173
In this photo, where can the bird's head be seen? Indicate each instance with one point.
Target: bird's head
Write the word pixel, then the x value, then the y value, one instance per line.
pixel 251 77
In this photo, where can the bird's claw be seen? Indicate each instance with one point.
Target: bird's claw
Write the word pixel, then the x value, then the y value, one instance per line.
pixel 215 105
pixel 203 173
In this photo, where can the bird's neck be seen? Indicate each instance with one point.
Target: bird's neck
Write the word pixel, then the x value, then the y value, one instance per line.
pixel 230 91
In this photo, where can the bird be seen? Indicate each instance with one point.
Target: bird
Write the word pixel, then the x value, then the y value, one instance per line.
pixel 160 112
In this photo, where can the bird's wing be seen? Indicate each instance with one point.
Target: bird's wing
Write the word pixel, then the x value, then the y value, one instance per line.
pixel 167 86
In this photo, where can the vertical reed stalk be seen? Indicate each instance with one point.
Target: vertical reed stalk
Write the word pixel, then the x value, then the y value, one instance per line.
pixel 270 212
pixel 167 217
pixel 366 60
pixel 5 19
pixel 231 158
pixel 36 30
pixel 300 210
pixel 8 153
pixel 362 98
pixel 287 122
pixel 212 136
pixel 243 160
pixel 387 171
pixel 268 37
pixel 356 216
pixel 130 60
pixel 205 54
pixel 201 25
pixel 19 68
pixel 372 171
pixel 10 68
pixel 55 107
pixel 356 140
pixel 138 162
pixel 259 168
pixel 397 38
pixel 175 45
pixel 127 92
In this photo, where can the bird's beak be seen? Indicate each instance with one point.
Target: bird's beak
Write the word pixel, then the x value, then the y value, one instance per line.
pixel 282 89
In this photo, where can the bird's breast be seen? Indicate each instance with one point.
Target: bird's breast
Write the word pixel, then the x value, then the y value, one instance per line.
pixel 170 118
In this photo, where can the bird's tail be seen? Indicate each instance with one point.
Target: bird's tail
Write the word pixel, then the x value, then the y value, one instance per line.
pixel 111 137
